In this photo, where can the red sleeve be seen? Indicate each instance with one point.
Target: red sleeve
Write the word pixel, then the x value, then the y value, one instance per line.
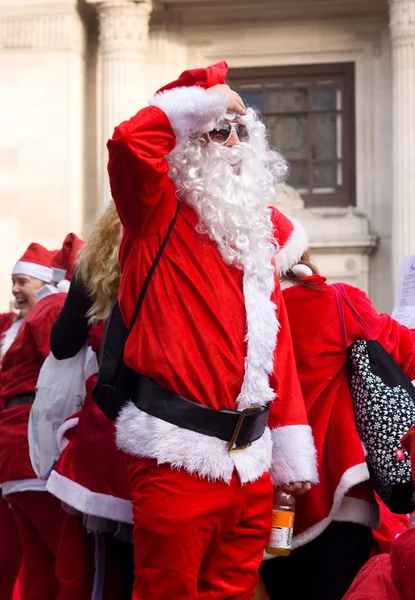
pixel 397 339
pixel 288 408
pixel 137 167
pixel 293 451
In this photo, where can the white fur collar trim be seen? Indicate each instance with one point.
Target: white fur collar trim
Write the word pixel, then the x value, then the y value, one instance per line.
pixel 261 334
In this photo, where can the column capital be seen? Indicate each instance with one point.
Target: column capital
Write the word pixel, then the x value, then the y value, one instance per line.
pixel 123 24
pixel 402 20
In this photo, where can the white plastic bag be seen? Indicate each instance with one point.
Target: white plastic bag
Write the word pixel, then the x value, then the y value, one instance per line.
pixel 60 392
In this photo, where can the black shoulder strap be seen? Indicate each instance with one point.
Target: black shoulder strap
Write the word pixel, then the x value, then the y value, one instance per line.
pixel 152 269
pixel 116 333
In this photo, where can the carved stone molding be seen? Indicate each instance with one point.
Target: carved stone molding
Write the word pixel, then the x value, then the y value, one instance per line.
pixel 402 20
pixel 374 37
pixel 124 25
pixel 330 230
pixel 59 31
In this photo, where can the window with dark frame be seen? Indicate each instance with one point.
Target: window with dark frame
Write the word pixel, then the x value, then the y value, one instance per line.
pixel 309 112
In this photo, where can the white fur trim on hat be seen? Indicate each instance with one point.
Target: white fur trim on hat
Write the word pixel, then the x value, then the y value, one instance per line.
pixel 301 271
pixel 33 270
pixel 190 110
pixel 63 286
pixel 289 254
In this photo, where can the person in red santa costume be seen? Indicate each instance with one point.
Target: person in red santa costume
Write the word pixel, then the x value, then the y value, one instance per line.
pixel 90 476
pixel 334 521
pixel 205 342
pixel 25 283
pixel 390 576
pixel 39 515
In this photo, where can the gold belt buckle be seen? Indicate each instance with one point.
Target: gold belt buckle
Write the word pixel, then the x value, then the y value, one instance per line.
pixel 246 411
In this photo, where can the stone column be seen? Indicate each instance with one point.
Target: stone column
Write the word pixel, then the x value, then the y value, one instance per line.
pixel 402 26
pixel 123 37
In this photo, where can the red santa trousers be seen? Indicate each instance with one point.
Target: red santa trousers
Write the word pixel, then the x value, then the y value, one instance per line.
pixel 39 517
pixel 10 551
pixel 75 560
pixel 193 538
pixel 75 564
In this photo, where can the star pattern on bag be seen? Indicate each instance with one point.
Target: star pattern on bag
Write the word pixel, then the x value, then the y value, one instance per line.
pixel 383 414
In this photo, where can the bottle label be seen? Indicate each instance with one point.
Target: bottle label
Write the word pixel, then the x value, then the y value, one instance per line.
pixel 282 529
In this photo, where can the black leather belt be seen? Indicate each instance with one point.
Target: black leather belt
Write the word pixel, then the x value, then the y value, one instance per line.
pixel 238 428
pixel 20 399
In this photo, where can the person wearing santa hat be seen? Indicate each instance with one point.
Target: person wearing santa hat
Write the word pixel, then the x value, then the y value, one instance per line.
pixel 390 576
pixel 38 514
pixel 27 277
pixel 334 521
pixel 29 274
pixel 90 476
pixel 211 343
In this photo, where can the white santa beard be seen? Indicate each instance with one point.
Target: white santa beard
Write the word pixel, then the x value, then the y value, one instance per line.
pixel 225 187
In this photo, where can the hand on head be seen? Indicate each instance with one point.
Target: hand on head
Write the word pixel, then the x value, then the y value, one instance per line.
pixel 234 102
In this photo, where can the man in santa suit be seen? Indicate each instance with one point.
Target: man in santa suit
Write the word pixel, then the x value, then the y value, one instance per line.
pixel 38 514
pixel 210 342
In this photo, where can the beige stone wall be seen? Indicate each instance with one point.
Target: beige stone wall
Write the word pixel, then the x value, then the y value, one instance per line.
pixel 41 120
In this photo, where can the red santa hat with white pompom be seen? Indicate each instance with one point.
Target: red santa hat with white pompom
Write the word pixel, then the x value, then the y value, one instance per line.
pixel 292 241
pixel 35 262
pixel 64 261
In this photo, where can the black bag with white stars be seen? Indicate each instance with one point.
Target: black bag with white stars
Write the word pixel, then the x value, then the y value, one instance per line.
pixel 384 410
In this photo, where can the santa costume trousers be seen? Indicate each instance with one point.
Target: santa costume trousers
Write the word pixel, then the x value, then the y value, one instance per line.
pixel 10 551
pixel 195 539
pixel 39 517
pixel 75 560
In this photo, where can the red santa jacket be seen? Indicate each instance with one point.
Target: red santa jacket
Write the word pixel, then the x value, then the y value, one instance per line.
pixel 7 321
pixel 20 370
pixel 190 334
pixel 320 354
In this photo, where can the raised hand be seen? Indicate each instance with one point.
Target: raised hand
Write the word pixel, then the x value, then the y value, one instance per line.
pixel 234 102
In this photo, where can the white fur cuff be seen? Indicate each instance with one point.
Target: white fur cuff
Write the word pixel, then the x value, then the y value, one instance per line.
pixel 293 455
pixel 190 110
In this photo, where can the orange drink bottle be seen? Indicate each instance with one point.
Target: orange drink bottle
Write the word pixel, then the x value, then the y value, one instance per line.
pixel 282 527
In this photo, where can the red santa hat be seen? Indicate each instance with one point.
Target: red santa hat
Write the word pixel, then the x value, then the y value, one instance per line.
pixel 187 107
pixel 64 261
pixel 292 241
pixel 35 262
pixel 204 78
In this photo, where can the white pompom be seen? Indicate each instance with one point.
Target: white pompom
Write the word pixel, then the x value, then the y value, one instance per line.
pixel 301 271
pixel 63 286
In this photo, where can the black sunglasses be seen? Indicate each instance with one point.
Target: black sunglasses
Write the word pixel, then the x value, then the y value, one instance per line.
pixel 221 134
